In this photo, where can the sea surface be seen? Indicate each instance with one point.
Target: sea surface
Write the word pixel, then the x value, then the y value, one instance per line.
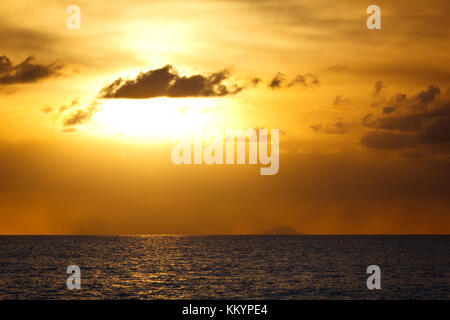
pixel 225 267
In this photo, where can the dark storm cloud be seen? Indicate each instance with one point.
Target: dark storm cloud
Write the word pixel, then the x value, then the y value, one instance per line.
pixel 166 82
pixel 422 119
pixel 27 71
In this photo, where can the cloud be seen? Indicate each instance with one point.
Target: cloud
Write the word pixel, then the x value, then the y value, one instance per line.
pixel 75 102
pixel 166 82
pixel 307 80
pixel 425 97
pixel 339 101
pixel 379 85
pixel 405 123
pixel 61 109
pixel 81 115
pixel 255 81
pixel 339 126
pixel 388 109
pixel 337 68
pixel 276 82
pixel 422 119
pixel 27 71
pixel 378 98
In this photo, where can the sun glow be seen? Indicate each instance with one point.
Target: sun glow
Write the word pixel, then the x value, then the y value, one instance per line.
pixel 159 118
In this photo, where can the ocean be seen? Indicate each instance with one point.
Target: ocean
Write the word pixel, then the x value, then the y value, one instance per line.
pixel 224 267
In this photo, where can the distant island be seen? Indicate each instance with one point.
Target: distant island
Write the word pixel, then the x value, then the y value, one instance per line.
pixel 281 230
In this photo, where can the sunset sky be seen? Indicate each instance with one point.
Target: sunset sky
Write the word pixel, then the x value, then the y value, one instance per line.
pixel 89 116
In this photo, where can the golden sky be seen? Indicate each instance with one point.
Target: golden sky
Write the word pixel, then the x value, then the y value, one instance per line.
pixel 89 116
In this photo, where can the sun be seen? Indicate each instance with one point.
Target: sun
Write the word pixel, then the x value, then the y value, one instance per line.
pixel 158 118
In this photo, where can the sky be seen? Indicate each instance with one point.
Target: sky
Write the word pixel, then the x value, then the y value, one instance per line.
pixel 89 116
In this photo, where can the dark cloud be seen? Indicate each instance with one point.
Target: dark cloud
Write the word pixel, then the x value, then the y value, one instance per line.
pixel 5 64
pixel 438 131
pixel 424 98
pixel 276 82
pixel 166 82
pixel 422 119
pixel 405 123
pixel 388 109
pixel 255 81
pixel 27 71
pixel 307 80
pixel 81 115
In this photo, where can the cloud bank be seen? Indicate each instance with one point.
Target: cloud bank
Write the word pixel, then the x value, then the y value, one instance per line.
pixel 423 119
